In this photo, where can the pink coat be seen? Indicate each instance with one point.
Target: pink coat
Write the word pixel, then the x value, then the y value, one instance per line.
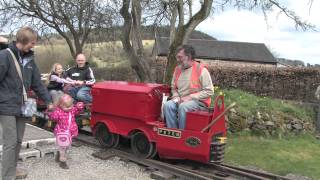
pixel 62 119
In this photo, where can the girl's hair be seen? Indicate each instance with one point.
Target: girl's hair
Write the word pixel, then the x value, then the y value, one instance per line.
pixel 66 100
pixel 53 69
pixel 54 66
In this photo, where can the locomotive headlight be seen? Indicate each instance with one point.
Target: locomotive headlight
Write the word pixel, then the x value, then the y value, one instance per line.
pixel 222 139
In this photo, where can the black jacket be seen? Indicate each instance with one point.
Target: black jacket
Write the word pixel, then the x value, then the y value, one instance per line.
pixel 10 83
pixel 81 73
pixel 54 85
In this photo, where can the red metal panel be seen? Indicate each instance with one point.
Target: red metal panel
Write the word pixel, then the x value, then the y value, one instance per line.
pixel 131 100
pixel 197 120
pixel 178 148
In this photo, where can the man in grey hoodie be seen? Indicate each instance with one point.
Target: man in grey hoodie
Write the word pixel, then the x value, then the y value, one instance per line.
pixel 11 97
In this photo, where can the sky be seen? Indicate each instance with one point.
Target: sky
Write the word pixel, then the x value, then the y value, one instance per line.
pixel 278 33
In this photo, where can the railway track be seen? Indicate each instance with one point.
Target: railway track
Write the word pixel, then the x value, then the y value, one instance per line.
pixel 182 170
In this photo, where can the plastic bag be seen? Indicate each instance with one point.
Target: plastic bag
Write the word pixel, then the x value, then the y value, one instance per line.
pixel 29 108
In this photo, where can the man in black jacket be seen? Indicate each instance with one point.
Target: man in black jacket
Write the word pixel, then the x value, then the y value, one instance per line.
pixel 11 98
pixel 83 75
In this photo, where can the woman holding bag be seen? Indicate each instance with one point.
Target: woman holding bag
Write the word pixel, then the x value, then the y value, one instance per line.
pixel 12 97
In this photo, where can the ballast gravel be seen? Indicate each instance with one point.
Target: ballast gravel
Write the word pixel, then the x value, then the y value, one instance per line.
pixel 83 166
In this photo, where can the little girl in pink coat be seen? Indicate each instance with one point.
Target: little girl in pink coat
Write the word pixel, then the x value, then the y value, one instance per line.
pixel 64 115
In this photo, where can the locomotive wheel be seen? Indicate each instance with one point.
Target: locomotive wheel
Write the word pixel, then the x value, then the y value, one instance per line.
pixel 105 137
pixel 141 146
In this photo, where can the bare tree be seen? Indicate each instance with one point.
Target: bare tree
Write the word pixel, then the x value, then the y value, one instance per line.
pixel 72 19
pixel 132 40
pixel 184 30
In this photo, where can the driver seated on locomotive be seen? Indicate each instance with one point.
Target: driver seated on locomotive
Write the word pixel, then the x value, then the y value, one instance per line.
pixel 191 88
pixel 83 76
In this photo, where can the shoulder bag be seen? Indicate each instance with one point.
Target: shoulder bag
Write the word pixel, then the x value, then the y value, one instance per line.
pixel 64 138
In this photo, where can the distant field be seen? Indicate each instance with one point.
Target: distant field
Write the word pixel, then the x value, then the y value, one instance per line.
pixel 107 54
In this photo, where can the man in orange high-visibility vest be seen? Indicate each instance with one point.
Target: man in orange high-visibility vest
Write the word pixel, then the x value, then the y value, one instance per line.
pixel 191 88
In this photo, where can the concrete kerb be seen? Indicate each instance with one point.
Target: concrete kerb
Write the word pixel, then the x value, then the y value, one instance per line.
pixel 41 142
pixel 35 148
pixel 29 153
pixel 47 150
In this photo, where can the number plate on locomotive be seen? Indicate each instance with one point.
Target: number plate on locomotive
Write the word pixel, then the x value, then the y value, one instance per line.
pixel 169 133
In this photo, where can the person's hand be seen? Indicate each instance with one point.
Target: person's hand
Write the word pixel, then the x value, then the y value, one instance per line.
pixel 3 40
pixel 80 105
pixel 185 99
pixel 80 83
pixel 50 107
pixel 176 99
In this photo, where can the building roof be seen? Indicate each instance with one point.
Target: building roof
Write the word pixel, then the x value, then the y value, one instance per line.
pixel 222 50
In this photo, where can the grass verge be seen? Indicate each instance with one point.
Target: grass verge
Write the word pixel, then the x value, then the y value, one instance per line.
pixel 299 155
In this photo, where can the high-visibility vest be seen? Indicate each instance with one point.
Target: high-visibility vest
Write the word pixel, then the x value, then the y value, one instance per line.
pixel 195 85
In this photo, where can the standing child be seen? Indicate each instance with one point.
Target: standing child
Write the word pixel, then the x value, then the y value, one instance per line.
pixel 66 128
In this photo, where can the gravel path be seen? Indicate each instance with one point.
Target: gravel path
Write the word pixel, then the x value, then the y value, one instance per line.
pixel 83 166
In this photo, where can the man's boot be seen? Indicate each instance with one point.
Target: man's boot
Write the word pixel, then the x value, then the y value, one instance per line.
pixel 21 173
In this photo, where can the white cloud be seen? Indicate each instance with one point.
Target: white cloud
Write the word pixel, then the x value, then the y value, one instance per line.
pixel 280 34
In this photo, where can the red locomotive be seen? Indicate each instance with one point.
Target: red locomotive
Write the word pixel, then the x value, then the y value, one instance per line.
pixel 133 110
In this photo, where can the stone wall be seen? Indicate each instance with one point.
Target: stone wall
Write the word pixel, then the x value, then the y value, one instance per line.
pixel 297 84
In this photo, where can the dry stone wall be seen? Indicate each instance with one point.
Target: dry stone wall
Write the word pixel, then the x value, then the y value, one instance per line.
pixel 298 84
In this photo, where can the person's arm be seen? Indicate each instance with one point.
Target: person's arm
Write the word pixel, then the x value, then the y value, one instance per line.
pixel 90 80
pixel 174 91
pixel 39 88
pixel 54 115
pixel 78 108
pixel 206 84
pixel 60 80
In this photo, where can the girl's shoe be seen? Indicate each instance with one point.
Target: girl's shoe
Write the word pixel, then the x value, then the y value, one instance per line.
pixel 64 165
